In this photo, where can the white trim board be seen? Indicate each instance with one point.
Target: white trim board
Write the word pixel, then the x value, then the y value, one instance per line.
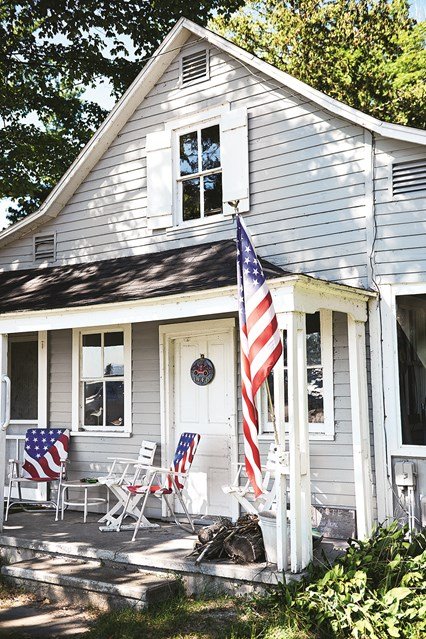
pixel 290 293
pixel 389 292
pixel 144 82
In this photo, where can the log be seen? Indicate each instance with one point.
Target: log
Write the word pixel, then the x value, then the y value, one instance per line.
pixel 245 548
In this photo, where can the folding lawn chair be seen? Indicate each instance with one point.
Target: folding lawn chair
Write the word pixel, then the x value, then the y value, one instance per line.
pixel 244 493
pixel 45 456
pixel 119 477
pixel 172 486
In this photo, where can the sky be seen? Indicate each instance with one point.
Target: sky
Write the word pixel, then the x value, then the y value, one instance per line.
pixel 102 93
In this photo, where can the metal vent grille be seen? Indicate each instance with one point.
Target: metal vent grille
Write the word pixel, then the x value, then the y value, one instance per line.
pixel 408 177
pixel 195 67
pixel 44 247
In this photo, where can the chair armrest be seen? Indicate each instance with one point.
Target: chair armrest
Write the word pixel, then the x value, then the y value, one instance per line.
pixel 151 470
pixel 123 459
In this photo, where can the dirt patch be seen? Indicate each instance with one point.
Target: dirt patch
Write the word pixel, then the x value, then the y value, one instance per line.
pixel 22 616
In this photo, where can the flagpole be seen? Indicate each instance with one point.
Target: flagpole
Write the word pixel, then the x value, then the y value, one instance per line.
pixel 272 411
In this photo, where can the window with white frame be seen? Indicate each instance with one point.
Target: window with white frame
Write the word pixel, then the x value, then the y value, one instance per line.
pixel 103 379
pixel 200 173
pixel 197 167
pixel 411 336
pixel 319 379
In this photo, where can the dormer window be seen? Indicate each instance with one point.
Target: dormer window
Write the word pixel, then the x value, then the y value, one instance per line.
pixel 200 176
pixel 45 248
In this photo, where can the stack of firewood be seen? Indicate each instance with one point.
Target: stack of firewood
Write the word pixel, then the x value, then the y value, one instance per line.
pixel 242 542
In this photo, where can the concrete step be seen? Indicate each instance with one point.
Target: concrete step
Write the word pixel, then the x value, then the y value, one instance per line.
pixel 89 583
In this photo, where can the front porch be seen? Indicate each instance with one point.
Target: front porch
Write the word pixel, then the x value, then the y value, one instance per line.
pixel 162 551
pixel 162 331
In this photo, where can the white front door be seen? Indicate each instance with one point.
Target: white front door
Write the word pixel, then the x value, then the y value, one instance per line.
pixel 210 411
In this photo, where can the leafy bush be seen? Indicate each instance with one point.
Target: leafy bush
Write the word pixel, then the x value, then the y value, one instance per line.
pixel 376 590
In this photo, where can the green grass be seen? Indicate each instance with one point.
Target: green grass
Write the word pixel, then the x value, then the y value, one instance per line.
pixel 205 618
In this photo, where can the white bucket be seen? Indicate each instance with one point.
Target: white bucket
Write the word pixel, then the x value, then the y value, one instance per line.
pixel 268 526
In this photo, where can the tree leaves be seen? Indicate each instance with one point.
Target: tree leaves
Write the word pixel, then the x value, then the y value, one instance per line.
pixel 368 54
pixel 49 51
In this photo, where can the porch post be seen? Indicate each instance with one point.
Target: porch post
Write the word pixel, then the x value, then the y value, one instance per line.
pixel 282 528
pixel 300 480
pixel 360 427
pixel 3 396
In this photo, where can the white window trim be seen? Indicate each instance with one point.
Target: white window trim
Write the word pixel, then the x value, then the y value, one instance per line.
pixel 179 179
pixel 389 293
pixel 41 338
pixel 177 128
pixel 89 431
pixel 324 431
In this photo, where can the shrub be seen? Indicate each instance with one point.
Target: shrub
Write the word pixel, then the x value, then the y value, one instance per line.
pixel 376 590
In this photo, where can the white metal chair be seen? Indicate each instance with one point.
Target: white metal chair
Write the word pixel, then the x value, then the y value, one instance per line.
pixel 172 485
pixel 45 456
pixel 122 474
pixel 244 493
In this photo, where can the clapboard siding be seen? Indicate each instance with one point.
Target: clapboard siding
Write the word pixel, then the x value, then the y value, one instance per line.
pixel 306 181
pixel 401 219
pixel 89 455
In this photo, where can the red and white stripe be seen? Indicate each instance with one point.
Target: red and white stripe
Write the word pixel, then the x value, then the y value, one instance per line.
pixel 261 348
pixel 48 466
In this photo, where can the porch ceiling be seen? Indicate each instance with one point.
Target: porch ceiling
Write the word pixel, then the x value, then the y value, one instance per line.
pixel 138 277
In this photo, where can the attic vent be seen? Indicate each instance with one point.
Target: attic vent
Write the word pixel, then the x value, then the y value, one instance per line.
pixel 195 67
pixel 408 177
pixel 44 248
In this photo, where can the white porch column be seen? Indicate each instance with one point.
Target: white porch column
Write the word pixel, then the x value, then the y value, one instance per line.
pixel 282 534
pixel 3 398
pixel 360 427
pixel 42 379
pixel 300 478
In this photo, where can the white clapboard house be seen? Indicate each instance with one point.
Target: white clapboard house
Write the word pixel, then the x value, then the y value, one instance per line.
pixel 131 261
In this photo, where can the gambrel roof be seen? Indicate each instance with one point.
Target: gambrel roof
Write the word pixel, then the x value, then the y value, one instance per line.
pixel 146 80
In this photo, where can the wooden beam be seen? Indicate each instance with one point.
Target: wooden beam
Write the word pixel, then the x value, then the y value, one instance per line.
pixel 360 428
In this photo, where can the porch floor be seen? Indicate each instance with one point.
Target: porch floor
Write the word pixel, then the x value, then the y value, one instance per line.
pixel 162 549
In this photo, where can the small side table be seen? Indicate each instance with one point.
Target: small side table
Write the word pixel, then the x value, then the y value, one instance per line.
pixel 87 501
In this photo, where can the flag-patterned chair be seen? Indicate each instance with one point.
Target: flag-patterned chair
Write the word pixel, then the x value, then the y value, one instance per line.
pixel 45 456
pixel 171 486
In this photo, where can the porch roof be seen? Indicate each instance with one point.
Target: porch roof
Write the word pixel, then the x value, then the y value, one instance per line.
pixel 137 277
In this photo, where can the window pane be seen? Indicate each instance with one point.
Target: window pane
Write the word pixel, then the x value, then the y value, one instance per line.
pixel 93 403
pixel 411 325
pixel 24 380
pixel 114 403
pixel 210 148
pixel 92 356
pixel 315 396
pixel 188 153
pixel 212 194
pixel 313 339
pixel 285 348
pixel 113 354
pixel 191 199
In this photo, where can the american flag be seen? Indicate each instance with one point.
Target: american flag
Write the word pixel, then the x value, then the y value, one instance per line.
pixel 261 345
pixel 43 452
pixel 184 455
